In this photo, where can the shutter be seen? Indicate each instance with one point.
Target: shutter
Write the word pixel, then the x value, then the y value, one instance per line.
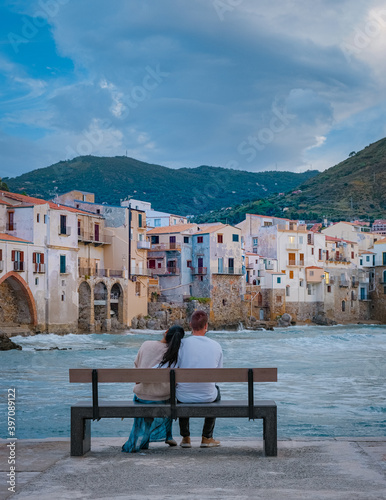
pixel 42 258
pixel 13 255
pixel 21 256
pixel 34 258
pixel 1 254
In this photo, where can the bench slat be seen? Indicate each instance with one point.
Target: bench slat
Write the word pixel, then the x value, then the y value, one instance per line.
pixel 150 375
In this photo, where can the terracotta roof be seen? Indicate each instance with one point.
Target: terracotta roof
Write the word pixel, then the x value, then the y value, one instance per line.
pixel 270 217
pixel 2 202
pixel 9 237
pixel 210 229
pixel 362 252
pixel 332 238
pixel 39 201
pixel 314 267
pixel 176 228
pixel 383 240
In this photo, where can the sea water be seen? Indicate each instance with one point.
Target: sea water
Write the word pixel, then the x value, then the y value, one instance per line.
pixel 331 380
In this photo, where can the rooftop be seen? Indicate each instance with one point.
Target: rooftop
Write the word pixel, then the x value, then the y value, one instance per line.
pixel 9 237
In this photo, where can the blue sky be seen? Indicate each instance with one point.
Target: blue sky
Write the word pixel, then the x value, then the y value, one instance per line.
pixel 286 85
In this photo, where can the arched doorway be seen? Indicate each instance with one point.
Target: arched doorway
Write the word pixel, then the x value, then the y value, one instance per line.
pixel 116 304
pixel 17 305
pixel 84 317
pixel 100 304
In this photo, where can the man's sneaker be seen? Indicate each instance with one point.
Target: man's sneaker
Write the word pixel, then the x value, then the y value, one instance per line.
pixel 185 443
pixel 209 442
pixel 171 442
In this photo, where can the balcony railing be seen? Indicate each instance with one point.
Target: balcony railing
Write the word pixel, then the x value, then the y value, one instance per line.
pixel 139 271
pixel 166 271
pixel 64 230
pixel 165 247
pixel 292 246
pixel 344 283
pixel 18 266
pixel 11 226
pixel 292 262
pixel 199 270
pixel 143 245
pixel 229 270
pixel 39 268
pixel 91 237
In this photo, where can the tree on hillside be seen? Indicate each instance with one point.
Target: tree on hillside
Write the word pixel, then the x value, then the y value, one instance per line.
pixel 3 186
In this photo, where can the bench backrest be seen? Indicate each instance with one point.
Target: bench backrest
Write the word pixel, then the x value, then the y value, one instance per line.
pixel 172 376
pixel 151 375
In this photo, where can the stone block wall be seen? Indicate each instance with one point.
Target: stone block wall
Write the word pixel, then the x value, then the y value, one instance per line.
pixel 226 304
pixel 8 305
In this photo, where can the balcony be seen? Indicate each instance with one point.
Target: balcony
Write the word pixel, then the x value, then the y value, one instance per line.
pixel 230 270
pixel 166 271
pixel 18 266
pixel 143 245
pixel 344 283
pixel 199 270
pixel 165 247
pixel 1 266
pixel 97 239
pixel 292 246
pixel 11 226
pixel 39 268
pixel 269 267
pixel 139 271
pixel 64 230
pixel 292 262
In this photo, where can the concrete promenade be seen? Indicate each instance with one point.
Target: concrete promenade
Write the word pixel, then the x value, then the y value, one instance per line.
pixel 312 469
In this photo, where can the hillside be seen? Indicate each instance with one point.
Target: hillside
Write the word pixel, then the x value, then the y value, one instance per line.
pixel 185 191
pixel 352 189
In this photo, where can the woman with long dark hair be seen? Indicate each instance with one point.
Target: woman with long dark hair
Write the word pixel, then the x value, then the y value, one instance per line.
pixel 154 354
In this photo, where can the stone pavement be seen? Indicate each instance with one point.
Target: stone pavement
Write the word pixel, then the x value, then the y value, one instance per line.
pixel 313 469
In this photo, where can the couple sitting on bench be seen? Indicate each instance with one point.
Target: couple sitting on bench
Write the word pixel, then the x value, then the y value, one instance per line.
pixel 196 351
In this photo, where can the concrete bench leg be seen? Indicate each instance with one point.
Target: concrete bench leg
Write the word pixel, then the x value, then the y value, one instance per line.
pixel 80 434
pixel 270 433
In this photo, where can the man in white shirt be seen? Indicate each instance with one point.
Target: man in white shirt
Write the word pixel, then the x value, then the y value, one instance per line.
pixel 198 351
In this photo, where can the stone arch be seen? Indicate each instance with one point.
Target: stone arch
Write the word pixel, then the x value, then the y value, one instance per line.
pixel 100 304
pixel 26 312
pixel 116 301
pixel 84 306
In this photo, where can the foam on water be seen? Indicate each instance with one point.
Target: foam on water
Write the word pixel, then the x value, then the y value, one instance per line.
pixel 331 379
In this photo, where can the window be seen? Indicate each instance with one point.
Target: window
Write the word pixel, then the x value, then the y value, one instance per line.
pixel 96 232
pixel 361 261
pixel 301 282
pixel 63 296
pixel 352 255
pixel 231 265
pixel 235 237
pixel 300 240
pixel 312 251
pixel 291 275
pixel 139 220
pixel 367 258
pixel 291 240
pixel 200 239
pixel 255 242
pixel 278 280
pixel 138 288
pixel 62 264
pixel 186 239
pixel 287 291
pixel 320 254
pixel 327 255
pixel 18 260
pixel 301 259
pixel 309 289
pixel 373 260
pixel 36 281
pixel 45 219
pixel 343 306
pixel 63 224
pixel 311 273
pixel 155 240
pixel 188 263
pixel 384 258
pixel 278 299
pixel 11 224
pixel 219 238
pixel 157 222
pixel 291 259
pixel 329 288
pixel 220 264
pixel 98 210
pixel 38 262
pixel 37 217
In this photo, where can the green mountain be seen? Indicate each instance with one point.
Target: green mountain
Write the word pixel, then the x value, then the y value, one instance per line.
pixel 353 189
pixel 184 191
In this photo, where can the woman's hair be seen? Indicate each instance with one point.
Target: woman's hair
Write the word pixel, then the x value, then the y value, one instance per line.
pixel 198 320
pixel 173 339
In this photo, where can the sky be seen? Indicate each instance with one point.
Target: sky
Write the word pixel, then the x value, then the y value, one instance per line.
pixel 269 85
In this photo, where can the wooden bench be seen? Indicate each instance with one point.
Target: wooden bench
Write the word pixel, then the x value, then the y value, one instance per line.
pixel 83 412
